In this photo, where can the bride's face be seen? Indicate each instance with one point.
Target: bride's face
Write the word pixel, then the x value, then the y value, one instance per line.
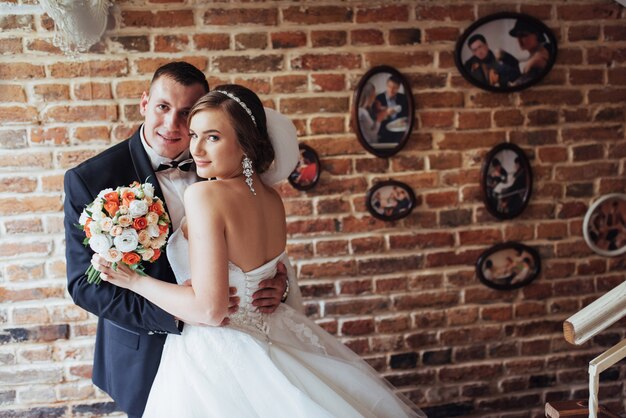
pixel 214 146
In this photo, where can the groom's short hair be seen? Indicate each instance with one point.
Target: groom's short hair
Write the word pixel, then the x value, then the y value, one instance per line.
pixel 182 73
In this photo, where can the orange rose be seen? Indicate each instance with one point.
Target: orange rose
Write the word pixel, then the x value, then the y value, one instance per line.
pixel 112 196
pixel 127 197
pixel 156 208
pixel 87 230
pixel 163 229
pixel 131 258
pixel 140 223
pixel 157 254
pixel 112 207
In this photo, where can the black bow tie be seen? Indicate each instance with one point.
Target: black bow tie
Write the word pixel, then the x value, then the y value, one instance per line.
pixel 184 165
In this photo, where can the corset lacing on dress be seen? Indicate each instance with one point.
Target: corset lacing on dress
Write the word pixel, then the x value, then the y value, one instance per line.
pixel 247 317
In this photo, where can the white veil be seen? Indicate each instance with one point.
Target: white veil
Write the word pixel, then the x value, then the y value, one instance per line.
pixel 283 136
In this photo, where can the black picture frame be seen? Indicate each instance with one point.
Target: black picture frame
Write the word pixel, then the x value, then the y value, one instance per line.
pixel 506 52
pixel 604 225
pixel 506 181
pixel 508 266
pixel 307 172
pixel 387 136
pixel 390 200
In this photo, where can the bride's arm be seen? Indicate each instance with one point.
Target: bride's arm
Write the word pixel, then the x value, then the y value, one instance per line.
pixel 206 300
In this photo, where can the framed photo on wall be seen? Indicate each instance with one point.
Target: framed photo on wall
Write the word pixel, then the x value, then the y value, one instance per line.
pixel 506 181
pixel 307 172
pixel 390 200
pixel 506 52
pixel 508 266
pixel 604 225
pixel 383 111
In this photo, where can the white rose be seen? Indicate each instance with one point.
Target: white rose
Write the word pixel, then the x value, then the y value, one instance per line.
pixel 123 210
pixel 148 190
pixel 138 192
pixel 153 230
pixel 83 218
pixel 99 243
pixel 97 211
pixel 116 230
pixel 137 208
pixel 103 192
pixel 94 228
pixel 113 255
pixel 152 218
pixel 147 254
pixel 106 224
pixel 127 241
pixel 125 220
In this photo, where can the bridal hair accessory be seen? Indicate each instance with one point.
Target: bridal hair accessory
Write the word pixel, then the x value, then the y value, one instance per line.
pixel 247 171
pixel 78 24
pixel 241 103
pixel 284 139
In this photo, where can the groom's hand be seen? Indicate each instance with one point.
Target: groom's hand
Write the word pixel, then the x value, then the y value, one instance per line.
pixel 267 298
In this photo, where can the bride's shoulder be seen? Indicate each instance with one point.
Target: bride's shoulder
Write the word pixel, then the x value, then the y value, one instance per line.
pixel 204 191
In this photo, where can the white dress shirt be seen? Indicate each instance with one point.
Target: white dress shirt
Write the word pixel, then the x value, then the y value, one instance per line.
pixel 173 181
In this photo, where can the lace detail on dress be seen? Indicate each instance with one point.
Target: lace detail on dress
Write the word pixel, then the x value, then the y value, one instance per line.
pixel 302 331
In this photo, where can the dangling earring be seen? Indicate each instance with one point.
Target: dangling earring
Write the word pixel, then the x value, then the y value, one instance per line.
pixel 247 171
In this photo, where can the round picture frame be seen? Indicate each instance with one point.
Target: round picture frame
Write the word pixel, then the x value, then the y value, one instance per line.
pixel 506 52
pixel 506 181
pixel 307 172
pixel 383 125
pixel 604 225
pixel 508 266
pixel 390 200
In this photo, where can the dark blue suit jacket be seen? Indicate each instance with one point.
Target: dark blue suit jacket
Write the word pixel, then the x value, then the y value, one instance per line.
pixel 131 330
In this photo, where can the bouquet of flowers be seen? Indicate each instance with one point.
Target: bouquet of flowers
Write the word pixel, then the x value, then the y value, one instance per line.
pixel 126 225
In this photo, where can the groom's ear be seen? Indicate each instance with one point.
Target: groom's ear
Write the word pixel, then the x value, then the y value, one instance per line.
pixel 143 104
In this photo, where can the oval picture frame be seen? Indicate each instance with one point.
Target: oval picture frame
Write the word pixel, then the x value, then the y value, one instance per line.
pixel 508 266
pixel 307 172
pixel 383 127
pixel 506 52
pixel 604 225
pixel 390 200
pixel 506 181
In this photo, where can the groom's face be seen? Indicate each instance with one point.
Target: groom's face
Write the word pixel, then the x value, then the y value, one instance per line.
pixel 165 109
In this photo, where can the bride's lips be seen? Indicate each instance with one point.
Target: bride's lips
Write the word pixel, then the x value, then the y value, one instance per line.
pixel 202 163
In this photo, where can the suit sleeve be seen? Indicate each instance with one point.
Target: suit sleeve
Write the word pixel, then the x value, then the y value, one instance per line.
pixel 105 300
pixel 294 299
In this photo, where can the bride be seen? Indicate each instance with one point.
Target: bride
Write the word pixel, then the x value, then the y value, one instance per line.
pixel 234 235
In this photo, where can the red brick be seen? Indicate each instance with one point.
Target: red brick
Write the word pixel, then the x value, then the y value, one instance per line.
pixel 21 71
pixel 400 59
pixel 437 100
pixel 355 287
pixel 326 61
pixel 587 11
pixel 328 82
pixel 512 117
pixel 551 97
pixel 331 248
pixel 132 43
pixel 100 68
pixel 480 236
pixel 328 38
pixel 426 300
pixel 543 117
pixel 11 46
pixel 474 120
pixel 367 245
pixel 460 12
pixel 614 32
pixel 212 41
pixel 332 205
pixel 315 105
pixel 362 37
pixel 81 113
pixel 56 136
pixel 408 36
pixel 18 184
pixel 260 63
pixel 327 125
pixel 12 93
pixel 293 39
pixel 253 40
pixel 442 33
pixel 171 43
pixel 470 140
pixel 158 19
pixel 18 114
pixel 613 95
pixel 92 91
pixel 553 154
pixel 391 13
pixel 421 240
pixel 148 66
pixel 441 119
pixel 315 15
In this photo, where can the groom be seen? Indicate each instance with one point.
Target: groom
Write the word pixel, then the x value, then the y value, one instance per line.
pixel 131 330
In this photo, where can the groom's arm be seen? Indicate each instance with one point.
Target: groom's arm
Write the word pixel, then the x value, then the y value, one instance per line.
pixel 105 300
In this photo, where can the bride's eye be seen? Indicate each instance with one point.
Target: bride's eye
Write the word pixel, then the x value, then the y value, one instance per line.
pixel 212 138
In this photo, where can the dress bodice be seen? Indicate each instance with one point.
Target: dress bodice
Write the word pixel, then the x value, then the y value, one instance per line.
pixel 246 283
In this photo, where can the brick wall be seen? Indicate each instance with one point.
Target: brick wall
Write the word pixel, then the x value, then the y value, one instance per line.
pixel 404 294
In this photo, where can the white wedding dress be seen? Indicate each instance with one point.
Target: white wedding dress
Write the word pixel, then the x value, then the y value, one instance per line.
pixel 277 365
